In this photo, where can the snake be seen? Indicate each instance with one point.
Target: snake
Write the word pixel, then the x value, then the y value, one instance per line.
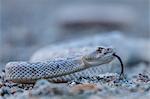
pixel 60 69
pixel 81 57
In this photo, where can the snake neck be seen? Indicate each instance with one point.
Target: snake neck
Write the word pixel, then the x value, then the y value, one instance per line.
pixel 85 63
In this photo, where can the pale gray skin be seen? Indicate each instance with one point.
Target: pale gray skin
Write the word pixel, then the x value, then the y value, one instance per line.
pixel 58 70
pixel 131 50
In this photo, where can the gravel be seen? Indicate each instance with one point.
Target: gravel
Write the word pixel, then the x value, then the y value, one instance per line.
pixel 108 85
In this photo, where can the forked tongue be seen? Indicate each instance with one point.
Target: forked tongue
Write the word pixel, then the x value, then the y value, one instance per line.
pixel 122 66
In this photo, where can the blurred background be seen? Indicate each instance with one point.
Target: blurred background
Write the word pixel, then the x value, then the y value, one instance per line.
pixel 27 25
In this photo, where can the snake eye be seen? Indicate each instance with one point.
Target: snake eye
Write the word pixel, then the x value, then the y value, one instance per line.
pixel 109 49
pixel 99 49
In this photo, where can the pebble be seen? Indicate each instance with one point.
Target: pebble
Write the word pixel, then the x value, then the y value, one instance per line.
pixel 1 84
pixel 4 91
pixel 143 78
pixel 83 87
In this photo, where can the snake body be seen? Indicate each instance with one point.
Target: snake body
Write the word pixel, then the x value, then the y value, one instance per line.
pixel 58 70
pixel 25 72
pixel 64 62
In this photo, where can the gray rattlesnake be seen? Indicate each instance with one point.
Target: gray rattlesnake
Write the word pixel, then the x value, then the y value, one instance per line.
pixel 73 52
pixel 56 70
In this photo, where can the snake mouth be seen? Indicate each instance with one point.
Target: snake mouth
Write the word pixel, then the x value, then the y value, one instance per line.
pixel 121 63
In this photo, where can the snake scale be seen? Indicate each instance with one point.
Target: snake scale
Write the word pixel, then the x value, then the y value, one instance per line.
pixel 82 58
pixel 55 70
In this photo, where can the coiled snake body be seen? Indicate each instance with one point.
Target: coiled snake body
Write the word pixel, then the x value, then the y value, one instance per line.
pixel 70 60
pixel 58 70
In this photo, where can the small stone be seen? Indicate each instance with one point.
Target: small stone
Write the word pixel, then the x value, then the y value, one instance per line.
pixel 4 91
pixel 1 84
pixel 41 83
pixel 3 70
pixel 84 87
pixel 43 87
pixel 143 78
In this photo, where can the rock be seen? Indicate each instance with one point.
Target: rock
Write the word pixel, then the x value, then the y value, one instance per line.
pixel 43 87
pixel 5 91
pixel 143 78
pixel 87 16
pixel 94 97
pixel 41 83
pixel 84 87
pixel 1 84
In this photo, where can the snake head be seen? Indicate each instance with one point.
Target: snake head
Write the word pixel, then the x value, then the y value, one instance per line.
pixel 100 56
